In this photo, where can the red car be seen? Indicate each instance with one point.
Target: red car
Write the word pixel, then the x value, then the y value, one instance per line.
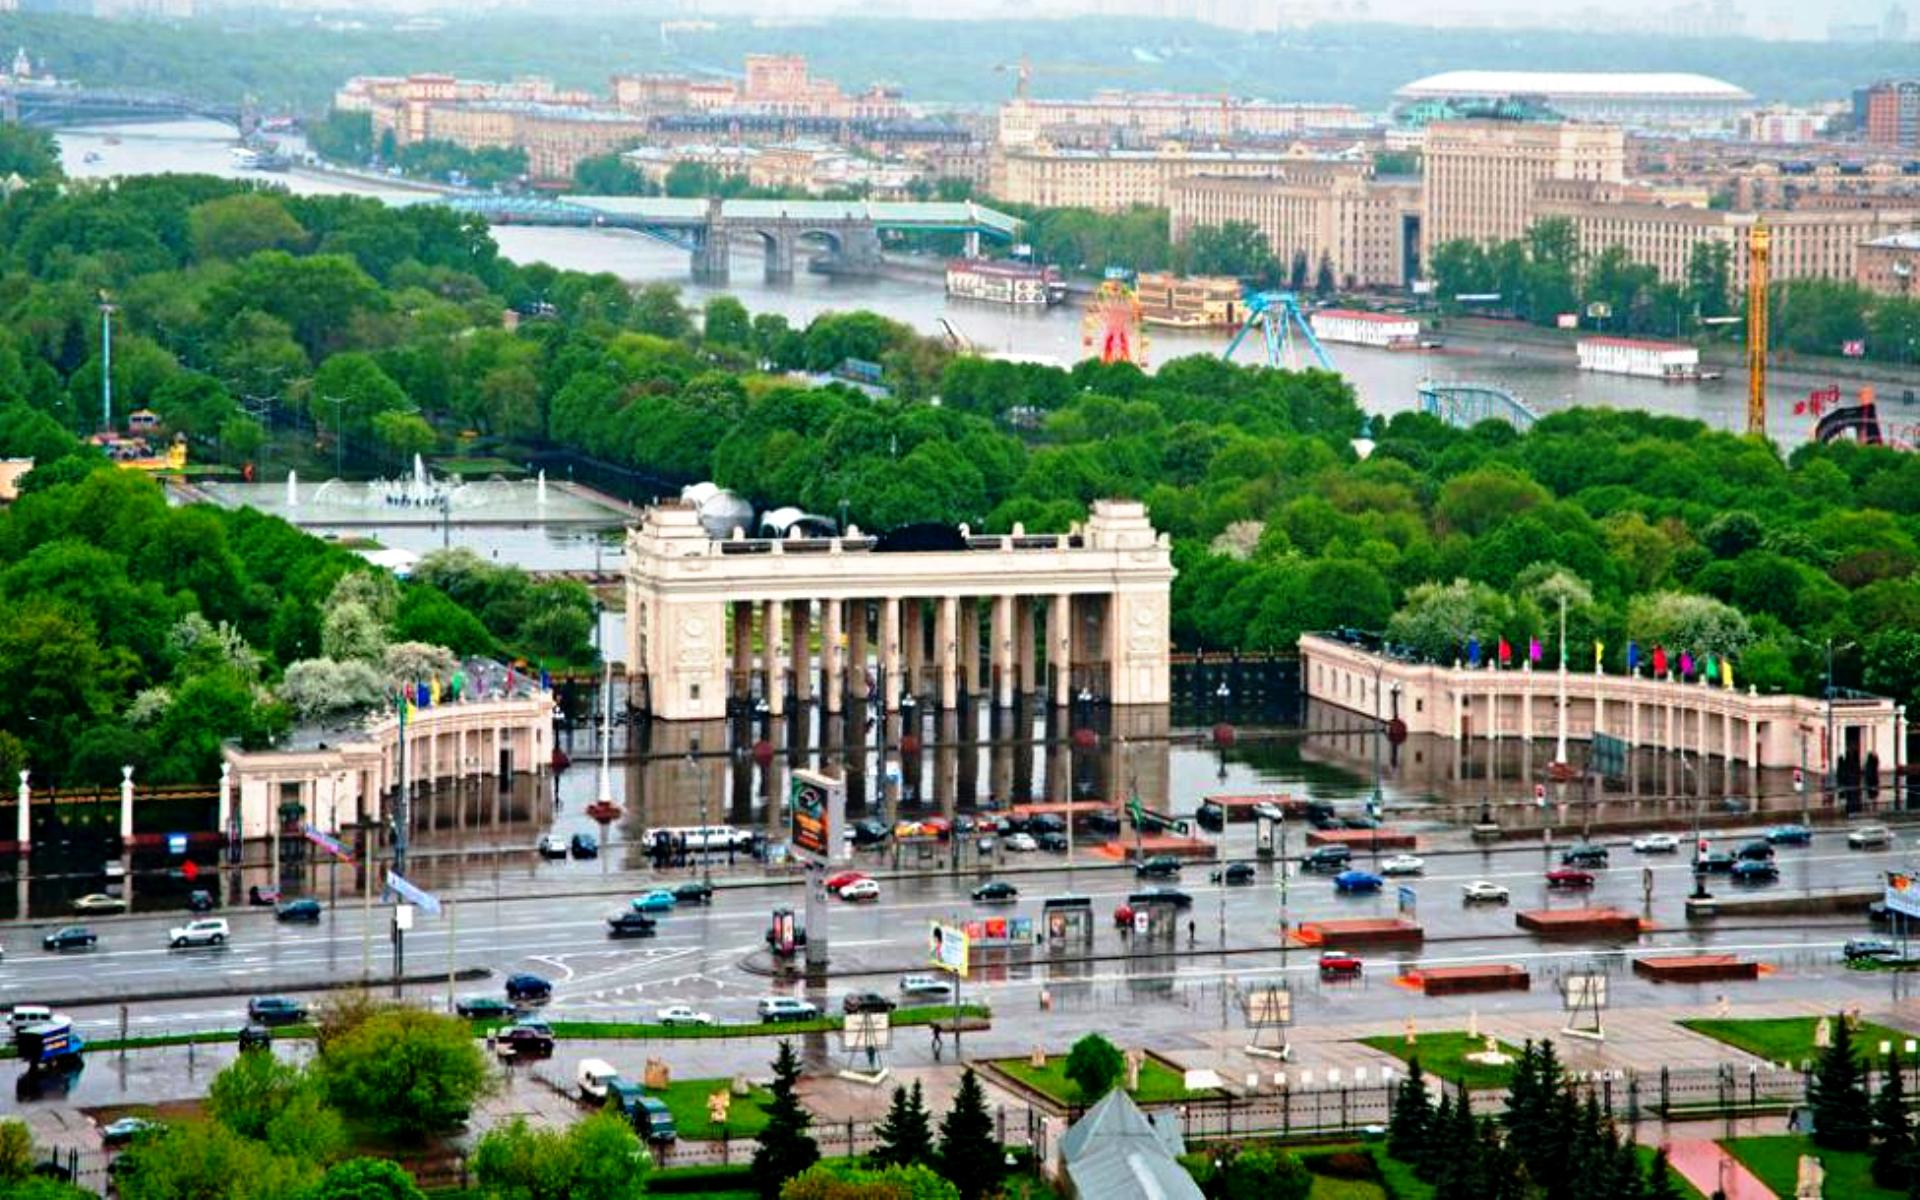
pixel 840 879
pixel 1338 964
pixel 1567 877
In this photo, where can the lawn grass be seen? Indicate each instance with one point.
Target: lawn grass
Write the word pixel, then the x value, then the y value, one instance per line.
pixel 1159 1083
pixel 207 1037
pixel 1776 1161
pixel 687 1100
pixel 1680 1185
pixel 1396 1178
pixel 621 1031
pixel 1444 1055
pixel 1345 1189
pixel 1789 1040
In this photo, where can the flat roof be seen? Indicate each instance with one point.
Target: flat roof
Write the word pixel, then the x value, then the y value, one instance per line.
pixel 1577 85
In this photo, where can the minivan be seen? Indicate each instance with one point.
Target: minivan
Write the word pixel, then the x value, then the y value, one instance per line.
pixel 1326 858
pixel 593 1075
pixel 651 1117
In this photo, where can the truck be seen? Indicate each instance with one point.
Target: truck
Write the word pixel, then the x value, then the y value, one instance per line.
pixel 48 1043
pixel 651 1117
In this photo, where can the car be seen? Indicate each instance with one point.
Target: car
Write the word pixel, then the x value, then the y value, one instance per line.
pixel 1868 949
pixel 1484 891
pixel 1360 822
pixel 1234 874
pixel 254 1036
pixel 785 1008
pixel 1754 870
pixel 631 924
pixel 551 845
pixel 1102 820
pixel 840 879
pixel 1718 863
pixel 925 985
pixel 1356 882
pixel 1338 964
pixel 987 844
pixel 1047 823
pixel 1403 864
pixel 1569 877
pixel 1160 895
pixel 525 988
pixel 995 891
pixel 199 900
pixel 583 845
pixel 1790 835
pixel 860 889
pixel 263 895
pixel 693 892
pixel 1021 843
pixel 1584 854
pixel 1863 837
pixel 1326 858
pixel 1759 850
pixel 70 937
pixel 275 1010
pixel 207 931
pixel 298 910
pixel 524 1041
pixel 1052 842
pixel 866 1002
pixel 1160 866
pixel 98 902
pixel 682 1014
pixel 1657 843
pixel 868 832
pixel 126 1129
pixel 657 900
pixel 483 1008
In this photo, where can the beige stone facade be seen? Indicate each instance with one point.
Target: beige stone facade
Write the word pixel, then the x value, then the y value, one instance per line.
pixel 1024 120
pixel 1479 176
pixel 1114 180
pixel 1333 210
pixel 1886 265
pixel 712 620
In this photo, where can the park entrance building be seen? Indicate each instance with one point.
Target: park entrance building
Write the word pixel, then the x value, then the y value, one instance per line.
pixel 933 614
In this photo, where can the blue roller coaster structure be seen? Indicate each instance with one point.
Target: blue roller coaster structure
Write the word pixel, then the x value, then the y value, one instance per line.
pixel 1283 328
pixel 1464 405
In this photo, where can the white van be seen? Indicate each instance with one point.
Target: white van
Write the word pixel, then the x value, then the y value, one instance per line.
pixel 27 1014
pixel 593 1076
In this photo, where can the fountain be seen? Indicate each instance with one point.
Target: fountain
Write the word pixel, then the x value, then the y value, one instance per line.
pixel 416 496
pixel 540 488
pixel 293 490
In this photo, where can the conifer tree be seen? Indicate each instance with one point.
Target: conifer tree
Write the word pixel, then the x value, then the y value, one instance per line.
pixel 786 1148
pixel 1892 1128
pixel 1660 1185
pixel 1412 1112
pixel 1842 1113
pixel 969 1156
pixel 906 1135
pixel 1434 1152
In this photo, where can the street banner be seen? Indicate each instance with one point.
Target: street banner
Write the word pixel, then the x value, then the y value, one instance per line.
pixel 1903 893
pixel 426 901
pixel 326 841
pixel 947 948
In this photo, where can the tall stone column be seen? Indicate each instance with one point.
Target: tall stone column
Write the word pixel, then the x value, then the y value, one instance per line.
pixel 914 634
pixel 832 656
pixel 857 649
pixel 970 646
pixel 802 653
pixel 1023 649
pixel 224 811
pixel 946 650
pixel 773 643
pixel 890 681
pixel 23 817
pixel 1003 651
pixel 741 687
pixel 126 806
pixel 1060 648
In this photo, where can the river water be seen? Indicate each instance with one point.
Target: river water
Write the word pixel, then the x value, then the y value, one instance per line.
pixel 1386 381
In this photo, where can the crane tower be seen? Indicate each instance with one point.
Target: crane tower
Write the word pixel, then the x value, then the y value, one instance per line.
pixel 1759 247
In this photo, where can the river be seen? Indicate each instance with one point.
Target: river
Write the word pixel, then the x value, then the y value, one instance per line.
pixel 1386 381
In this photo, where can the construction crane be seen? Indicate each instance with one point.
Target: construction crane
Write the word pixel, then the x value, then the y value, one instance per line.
pixel 1278 316
pixel 1024 71
pixel 1759 249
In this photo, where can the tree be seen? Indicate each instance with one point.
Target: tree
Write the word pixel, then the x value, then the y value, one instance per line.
pixel 1262 1174
pixel 405 1072
pixel 786 1148
pixel 611 175
pixel 16 1151
pixel 838 1181
pixel 316 688
pixel 402 435
pixel 1412 1110
pixel 657 310
pixel 1709 278
pixel 1842 1113
pixel 1892 1127
pixel 905 1136
pixel 1660 1184
pixel 196 1161
pixel 236 226
pixel 599 1158
pixel 1323 281
pixel 1094 1065
pixel 725 322
pixel 366 1179
pixel 1235 248
pixel 349 391
pixel 969 1156
pixel 250 1091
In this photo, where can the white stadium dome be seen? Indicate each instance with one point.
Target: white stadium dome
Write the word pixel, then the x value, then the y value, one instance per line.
pixel 1576 85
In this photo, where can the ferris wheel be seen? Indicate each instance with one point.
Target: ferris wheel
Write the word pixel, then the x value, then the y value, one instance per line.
pixel 1110 328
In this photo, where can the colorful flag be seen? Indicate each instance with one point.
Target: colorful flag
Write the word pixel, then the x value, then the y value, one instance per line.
pixel 433 689
pixel 1633 656
pixel 1686 664
pixel 1599 652
pixel 1506 652
pixel 1660 661
pixel 1709 668
pixel 458 684
pixel 1473 651
pixel 1533 649
pixel 546 680
pixel 420 696
pixel 1726 673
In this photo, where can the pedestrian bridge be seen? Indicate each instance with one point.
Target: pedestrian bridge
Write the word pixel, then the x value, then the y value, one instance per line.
pixel 846 231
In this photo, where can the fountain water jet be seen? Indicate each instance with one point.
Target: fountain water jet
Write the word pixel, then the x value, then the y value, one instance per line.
pixel 540 489
pixel 293 490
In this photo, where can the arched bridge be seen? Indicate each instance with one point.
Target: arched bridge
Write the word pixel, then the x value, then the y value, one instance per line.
pixel 1464 405
pixel 848 231
pixel 58 105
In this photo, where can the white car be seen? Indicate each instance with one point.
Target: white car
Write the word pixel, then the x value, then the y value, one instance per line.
pixel 1022 842
pixel 552 845
pixel 925 985
pixel 1862 836
pixel 1657 843
pixel 1483 890
pixel 1403 864
pixel 208 931
pixel 861 889
pixel 682 1014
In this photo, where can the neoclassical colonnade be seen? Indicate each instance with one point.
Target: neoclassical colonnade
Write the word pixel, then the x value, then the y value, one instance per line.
pixel 852 619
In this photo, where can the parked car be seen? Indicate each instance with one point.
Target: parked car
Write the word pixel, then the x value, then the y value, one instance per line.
pixel 126 1129
pixel 995 891
pixel 924 985
pixel 785 1008
pixel 98 902
pixel 1657 843
pixel 631 924
pixel 1484 891
pixel 275 1010
pixel 524 1041
pixel 1052 842
pixel 70 937
pixel 207 931
pixel 1160 866
pixel 1863 837
pixel 868 832
pixel 866 1002
pixel 1356 882
pixel 693 892
pixel 1021 843
pixel 1102 820
pixel 1585 854
pixel 682 1014
pixel 1326 858
pixel 1790 835
pixel 657 900
pixel 552 845
pixel 1338 964
pixel 199 900
pixel 298 910
pixel 255 1036
pixel 1868 949
pixel 525 988
pixel 583 845
pixel 1234 874
pixel 1403 864
pixel 840 879
pixel 1754 870
pixel 1160 895
pixel 861 889
pixel 263 895
pixel 1569 877
pixel 483 1008
pixel 1046 823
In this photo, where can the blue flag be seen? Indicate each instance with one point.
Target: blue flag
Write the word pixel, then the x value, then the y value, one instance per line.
pixel 546 680
pixel 421 696
pixel 1633 656
pixel 1473 651
pixel 427 902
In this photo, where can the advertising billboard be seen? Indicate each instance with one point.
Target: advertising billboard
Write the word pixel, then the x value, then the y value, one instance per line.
pixel 1903 893
pixel 947 948
pixel 816 811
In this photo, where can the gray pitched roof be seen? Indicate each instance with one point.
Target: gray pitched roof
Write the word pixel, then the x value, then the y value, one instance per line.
pixel 1115 1153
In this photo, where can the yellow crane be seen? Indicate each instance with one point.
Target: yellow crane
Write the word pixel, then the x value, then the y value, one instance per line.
pixel 1759 248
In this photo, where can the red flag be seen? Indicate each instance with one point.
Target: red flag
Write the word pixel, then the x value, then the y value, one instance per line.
pixel 1659 660
pixel 1506 652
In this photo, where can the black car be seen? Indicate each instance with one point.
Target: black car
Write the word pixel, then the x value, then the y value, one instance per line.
pixel 1718 863
pixel 1102 820
pixel 1360 822
pixel 867 1002
pixel 1047 823
pixel 869 832
pixel 275 1010
pixel 298 910
pixel 1584 855
pixel 1052 841
pixel 1754 870
pixel 526 1041
pixel 1234 874
pixel 1160 866
pixel 481 1008
pixel 1161 895
pixel 69 937
pixel 1758 850
pixel 1326 858
pixel 996 891
pixel 1210 816
pixel 693 892
pixel 523 988
pixel 1014 824
pixel 255 1036
pixel 199 900
pixel 583 845
pixel 1864 949
pixel 630 924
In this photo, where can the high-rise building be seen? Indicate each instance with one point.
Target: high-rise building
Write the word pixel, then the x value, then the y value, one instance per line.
pixel 1892 113
pixel 1479 176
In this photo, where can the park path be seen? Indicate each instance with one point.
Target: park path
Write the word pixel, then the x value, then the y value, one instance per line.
pixel 1710 1168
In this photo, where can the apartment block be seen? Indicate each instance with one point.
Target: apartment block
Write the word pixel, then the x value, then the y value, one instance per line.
pixel 1480 175
pixel 1113 180
pixel 1367 228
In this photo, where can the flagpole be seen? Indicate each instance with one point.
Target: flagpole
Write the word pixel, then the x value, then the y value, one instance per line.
pixel 1560 742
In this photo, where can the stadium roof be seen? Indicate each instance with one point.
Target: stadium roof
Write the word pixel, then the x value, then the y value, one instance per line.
pixel 1575 85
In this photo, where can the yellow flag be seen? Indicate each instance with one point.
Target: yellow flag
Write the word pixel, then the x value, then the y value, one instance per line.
pixel 1599 653
pixel 1726 672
